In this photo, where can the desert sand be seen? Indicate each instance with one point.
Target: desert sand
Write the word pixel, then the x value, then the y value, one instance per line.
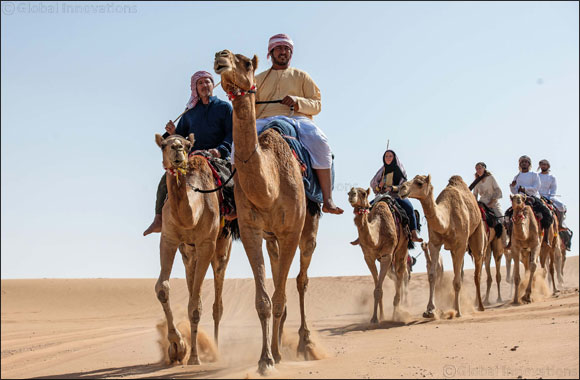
pixel 111 328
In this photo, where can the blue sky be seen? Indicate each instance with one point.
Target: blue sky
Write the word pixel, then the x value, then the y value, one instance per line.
pixel 85 89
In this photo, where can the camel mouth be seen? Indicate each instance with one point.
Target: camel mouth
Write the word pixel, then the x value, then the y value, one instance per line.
pixel 221 64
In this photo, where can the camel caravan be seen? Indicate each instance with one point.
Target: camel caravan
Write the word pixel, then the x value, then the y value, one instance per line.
pixel 260 169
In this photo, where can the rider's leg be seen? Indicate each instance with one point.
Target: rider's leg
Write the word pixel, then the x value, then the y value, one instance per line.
pixel 406 204
pixel 159 202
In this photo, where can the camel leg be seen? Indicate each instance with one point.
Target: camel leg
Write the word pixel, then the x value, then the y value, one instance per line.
pixel 252 242
pixel 401 270
pixel 177 349
pixel 205 252
pixel 457 255
pixel 219 264
pixel 373 268
pixel 307 247
pixel 534 253
pixel 386 264
pixel 434 254
pixel 487 262
pixel 477 242
pixel 497 253
pixel 508 267
pixel 515 255
pixel 274 254
pixel 558 261
pixel 288 245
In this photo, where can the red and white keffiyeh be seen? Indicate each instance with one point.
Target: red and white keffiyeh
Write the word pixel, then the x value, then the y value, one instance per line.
pixel 279 40
pixel 194 98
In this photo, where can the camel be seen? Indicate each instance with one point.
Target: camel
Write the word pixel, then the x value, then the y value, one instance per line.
pixel 191 222
pixel 496 246
pixel 271 203
pixel 383 240
pixel 454 221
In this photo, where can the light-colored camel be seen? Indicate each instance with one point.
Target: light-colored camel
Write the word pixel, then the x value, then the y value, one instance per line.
pixel 496 247
pixel 270 203
pixel 454 221
pixel 191 222
pixel 383 240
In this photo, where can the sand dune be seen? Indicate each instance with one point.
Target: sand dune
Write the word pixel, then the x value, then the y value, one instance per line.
pixel 109 328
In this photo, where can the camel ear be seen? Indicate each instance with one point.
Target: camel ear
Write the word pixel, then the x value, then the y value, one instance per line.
pixel 191 139
pixel 159 139
pixel 511 197
pixel 368 191
pixel 255 62
pixel 428 179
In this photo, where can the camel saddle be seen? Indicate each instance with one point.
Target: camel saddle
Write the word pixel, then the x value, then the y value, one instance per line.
pixel 398 212
pixel 491 221
pixel 311 185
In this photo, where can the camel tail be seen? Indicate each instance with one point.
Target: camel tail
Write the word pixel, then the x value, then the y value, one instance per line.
pixel 313 207
pixel 231 228
pixel 498 229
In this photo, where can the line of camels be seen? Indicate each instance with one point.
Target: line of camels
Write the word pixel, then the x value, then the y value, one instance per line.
pixel 271 205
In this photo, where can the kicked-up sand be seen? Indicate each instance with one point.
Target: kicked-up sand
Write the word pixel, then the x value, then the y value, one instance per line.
pixel 113 328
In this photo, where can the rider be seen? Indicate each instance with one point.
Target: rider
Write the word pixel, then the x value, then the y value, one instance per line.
pixel 486 188
pixel 548 188
pixel 210 120
pixel 528 182
pixel 300 100
pixel 387 181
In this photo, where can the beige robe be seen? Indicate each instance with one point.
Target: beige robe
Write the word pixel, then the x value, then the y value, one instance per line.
pixel 489 192
pixel 276 84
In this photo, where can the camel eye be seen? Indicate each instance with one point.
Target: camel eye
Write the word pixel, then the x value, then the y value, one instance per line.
pixel 248 65
pixel 419 184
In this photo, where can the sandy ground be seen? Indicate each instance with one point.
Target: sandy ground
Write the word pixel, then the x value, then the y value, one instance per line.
pixel 107 328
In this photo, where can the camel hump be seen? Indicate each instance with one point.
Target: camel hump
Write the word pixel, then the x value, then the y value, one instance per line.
pixel 456 180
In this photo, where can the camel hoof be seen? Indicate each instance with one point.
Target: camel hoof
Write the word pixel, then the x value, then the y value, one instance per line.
pixel 526 299
pixel 265 366
pixel 481 308
pixel 277 358
pixel 499 300
pixel 486 302
pixel 193 361
pixel 429 314
pixel 176 352
pixel 374 321
pixel 516 303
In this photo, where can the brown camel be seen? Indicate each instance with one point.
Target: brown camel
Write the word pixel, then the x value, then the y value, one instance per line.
pixel 383 240
pixel 270 203
pixel 191 222
pixel 454 221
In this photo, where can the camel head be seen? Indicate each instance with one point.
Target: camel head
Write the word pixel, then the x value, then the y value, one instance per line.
pixel 419 187
pixel 518 202
pixel 175 149
pixel 359 197
pixel 237 71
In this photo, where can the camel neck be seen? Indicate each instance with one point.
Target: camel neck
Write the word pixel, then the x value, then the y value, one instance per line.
pixel 367 236
pixel 432 213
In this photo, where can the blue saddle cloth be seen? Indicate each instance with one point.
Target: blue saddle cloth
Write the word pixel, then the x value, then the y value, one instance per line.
pixel 311 184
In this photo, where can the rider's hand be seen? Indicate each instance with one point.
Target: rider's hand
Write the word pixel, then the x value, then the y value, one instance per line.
pixel 170 127
pixel 521 189
pixel 513 183
pixel 290 101
pixel 215 153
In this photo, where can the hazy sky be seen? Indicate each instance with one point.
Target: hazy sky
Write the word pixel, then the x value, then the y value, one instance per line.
pixel 85 86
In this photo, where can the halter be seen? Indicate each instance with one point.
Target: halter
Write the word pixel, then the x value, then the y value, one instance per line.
pixel 361 210
pixel 176 172
pixel 239 92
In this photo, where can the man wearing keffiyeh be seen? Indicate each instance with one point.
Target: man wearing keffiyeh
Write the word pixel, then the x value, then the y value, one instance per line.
pixel 210 120
pixel 300 102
